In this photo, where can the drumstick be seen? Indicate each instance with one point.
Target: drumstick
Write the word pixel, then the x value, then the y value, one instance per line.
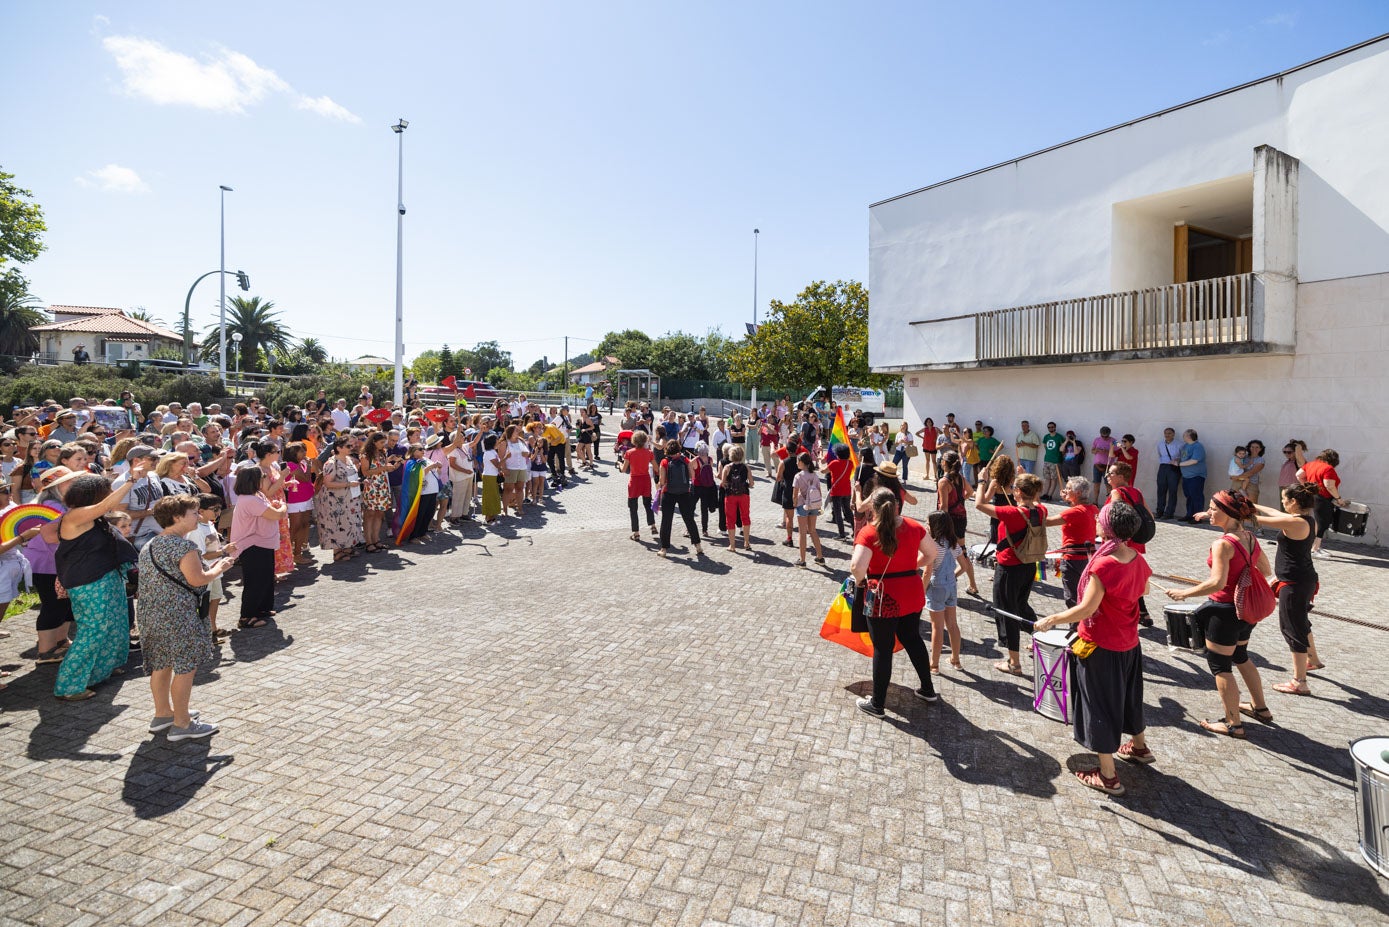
pixel 1018 618
pixel 1184 579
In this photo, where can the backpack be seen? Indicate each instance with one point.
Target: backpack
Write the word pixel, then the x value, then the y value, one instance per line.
pixel 1254 598
pixel 1031 545
pixel 677 475
pixel 1147 527
pixel 737 480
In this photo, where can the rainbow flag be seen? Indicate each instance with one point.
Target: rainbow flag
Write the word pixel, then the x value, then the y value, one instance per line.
pixel 410 485
pixel 840 435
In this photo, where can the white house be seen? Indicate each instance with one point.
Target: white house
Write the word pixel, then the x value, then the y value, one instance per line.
pixel 368 363
pixel 107 334
pixel 1221 265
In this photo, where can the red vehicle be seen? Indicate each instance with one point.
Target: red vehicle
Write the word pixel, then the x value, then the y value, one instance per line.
pixel 482 392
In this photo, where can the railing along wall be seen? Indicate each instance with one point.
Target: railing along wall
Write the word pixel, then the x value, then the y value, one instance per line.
pixel 1204 312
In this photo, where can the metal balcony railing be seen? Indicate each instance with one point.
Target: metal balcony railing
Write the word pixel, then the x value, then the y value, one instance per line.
pixel 1180 315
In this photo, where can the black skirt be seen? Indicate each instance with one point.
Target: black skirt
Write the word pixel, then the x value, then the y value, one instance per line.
pixel 1107 698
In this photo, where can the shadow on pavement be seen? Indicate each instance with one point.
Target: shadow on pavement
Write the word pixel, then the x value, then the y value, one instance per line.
pixel 163 776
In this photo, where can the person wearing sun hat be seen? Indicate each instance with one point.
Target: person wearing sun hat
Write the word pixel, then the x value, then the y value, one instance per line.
pixel 887 478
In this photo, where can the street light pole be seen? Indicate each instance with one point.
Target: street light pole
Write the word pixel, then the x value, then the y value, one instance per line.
pixel 399 130
pixel 222 298
pixel 236 337
pixel 754 278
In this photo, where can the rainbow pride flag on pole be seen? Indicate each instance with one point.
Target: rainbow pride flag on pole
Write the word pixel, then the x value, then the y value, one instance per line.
pixel 411 482
pixel 840 435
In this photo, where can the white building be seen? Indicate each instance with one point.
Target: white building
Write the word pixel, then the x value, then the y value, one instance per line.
pixel 1221 265
pixel 107 334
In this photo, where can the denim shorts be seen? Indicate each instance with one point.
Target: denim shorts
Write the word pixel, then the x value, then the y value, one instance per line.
pixel 939 598
pixel 805 512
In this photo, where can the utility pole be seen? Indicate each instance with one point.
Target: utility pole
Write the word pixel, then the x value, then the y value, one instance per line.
pixel 566 364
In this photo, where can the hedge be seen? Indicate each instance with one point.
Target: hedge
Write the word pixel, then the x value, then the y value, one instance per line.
pixel 151 387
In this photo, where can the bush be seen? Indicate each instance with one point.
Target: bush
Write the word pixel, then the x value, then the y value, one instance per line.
pixel 33 385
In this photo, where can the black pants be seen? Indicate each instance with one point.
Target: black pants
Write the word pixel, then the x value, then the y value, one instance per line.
pixel 685 501
pixel 554 458
pixel 1070 580
pixel 839 505
pixel 1324 511
pixel 257 582
pixel 640 502
pixel 708 497
pixel 1169 479
pixel 429 501
pixel 1012 587
pixel 718 504
pixel 53 611
pixel 885 632
pixel 1294 610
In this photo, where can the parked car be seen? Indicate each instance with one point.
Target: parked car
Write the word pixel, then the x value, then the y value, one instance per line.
pixel 871 402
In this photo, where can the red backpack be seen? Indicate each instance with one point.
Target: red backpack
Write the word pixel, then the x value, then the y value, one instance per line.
pixel 1254 598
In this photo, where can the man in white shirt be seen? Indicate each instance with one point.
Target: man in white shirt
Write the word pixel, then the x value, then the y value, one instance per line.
pixel 341 419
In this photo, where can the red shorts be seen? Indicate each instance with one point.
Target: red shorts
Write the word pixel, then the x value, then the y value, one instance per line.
pixel 735 508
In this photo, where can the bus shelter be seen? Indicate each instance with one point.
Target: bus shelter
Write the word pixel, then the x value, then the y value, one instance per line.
pixel 637 385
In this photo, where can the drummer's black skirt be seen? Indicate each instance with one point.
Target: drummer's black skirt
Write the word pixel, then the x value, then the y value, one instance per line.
pixel 1107 698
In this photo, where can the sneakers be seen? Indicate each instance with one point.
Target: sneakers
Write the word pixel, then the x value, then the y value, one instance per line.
pixel 1321 555
pixel 196 730
pixel 163 724
pixel 926 695
pixel 865 705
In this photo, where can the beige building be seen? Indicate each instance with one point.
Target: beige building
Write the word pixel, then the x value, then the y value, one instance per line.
pixel 108 335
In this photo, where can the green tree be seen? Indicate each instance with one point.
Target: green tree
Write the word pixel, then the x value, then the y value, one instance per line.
pixel 260 328
pixel 485 357
pixel 144 315
pixel 821 339
pixel 18 316
pixel 314 351
pixel 21 234
pixel 426 366
pixel 631 347
pixel 449 364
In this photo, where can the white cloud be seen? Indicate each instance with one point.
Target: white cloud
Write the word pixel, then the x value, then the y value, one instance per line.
pixel 325 106
pixel 114 179
pixel 1284 20
pixel 226 81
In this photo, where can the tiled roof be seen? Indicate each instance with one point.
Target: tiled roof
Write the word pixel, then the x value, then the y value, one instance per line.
pixel 368 361
pixel 82 310
pixel 595 367
pixel 109 323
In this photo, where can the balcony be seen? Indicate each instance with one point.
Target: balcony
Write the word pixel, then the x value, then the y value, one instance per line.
pixel 1216 316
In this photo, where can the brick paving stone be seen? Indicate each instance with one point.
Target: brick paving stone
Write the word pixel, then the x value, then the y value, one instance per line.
pixel 546 724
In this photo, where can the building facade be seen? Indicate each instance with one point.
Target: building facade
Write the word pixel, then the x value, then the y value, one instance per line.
pixel 107 334
pixel 1222 265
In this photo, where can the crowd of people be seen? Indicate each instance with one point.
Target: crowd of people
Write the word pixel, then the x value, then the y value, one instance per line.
pixel 152 515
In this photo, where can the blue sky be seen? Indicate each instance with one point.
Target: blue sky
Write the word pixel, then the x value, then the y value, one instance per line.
pixel 570 168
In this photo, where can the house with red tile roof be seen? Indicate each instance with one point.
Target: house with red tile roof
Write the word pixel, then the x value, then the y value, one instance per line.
pixel 107 334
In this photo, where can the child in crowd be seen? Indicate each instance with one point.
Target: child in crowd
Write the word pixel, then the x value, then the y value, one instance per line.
pixel 941 587
pixel 808 501
pixel 120 521
pixel 1238 481
pixel 210 548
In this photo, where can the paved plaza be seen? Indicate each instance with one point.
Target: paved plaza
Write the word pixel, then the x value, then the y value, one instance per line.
pixel 550 725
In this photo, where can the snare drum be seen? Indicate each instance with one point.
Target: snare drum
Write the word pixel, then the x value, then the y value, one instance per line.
pixel 1350 519
pixel 989 559
pixel 1183 627
pixel 1372 800
pixel 1051 674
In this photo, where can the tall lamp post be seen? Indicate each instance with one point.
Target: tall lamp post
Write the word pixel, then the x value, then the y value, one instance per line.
pixel 222 299
pixel 754 278
pixel 236 337
pixel 399 130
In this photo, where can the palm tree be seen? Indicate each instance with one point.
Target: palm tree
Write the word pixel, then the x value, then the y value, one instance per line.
pixel 18 315
pixel 145 316
pixel 313 350
pixel 260 330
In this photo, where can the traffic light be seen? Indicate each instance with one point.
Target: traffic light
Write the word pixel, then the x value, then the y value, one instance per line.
pixel 243 279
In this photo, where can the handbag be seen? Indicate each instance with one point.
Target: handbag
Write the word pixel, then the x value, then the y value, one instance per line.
pixel 911 450
pixel 1254 598
pixel 778 492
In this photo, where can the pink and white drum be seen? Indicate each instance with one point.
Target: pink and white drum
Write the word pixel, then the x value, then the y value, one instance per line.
pixel 1051 674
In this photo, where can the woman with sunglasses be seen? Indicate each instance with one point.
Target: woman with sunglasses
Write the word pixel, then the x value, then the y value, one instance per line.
pixel 9 446
pixel 23 476
pixel 48 456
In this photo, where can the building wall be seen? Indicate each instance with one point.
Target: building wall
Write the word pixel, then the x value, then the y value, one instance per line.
pixel 1043 228
pixel 1330 393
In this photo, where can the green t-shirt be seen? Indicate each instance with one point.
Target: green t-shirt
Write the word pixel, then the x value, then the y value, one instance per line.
pixel 986 446
pixel 1051 444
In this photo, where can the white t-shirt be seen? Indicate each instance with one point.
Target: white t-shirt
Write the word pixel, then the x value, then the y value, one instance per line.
pixel 490 463
pixel 461 457
pixel 430 483
pixel 515 451
pixel 341 419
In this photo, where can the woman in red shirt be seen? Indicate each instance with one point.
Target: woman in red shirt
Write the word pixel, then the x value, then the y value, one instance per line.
pixel 1077 525
pixel 1013 578
pixel 892 551
pixel 930 436
pixel 636 463
pixel 1108 694
pixel 1227 637
pixel 1322 472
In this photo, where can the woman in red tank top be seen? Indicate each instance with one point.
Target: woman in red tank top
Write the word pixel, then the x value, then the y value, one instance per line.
pixel 1227 637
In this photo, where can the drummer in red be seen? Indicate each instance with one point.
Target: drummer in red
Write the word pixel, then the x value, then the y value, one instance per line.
pixel 1119 477
pixel 1108 700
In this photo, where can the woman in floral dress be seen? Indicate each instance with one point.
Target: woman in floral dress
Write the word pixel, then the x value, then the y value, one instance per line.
pixel 376 488
pixel 336 506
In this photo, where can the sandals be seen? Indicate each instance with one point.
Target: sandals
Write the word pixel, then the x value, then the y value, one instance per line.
pixel 1140 755
pixel 1012 669
pixel 820 560
pixel 1224 728
pixel 245 623
pixel 1091 778
pixel 973 590
pixel 956 664
pixel 1258 714
pixel 1315 666
pixel 636 535
pixel 79 697
pixel 1293 688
